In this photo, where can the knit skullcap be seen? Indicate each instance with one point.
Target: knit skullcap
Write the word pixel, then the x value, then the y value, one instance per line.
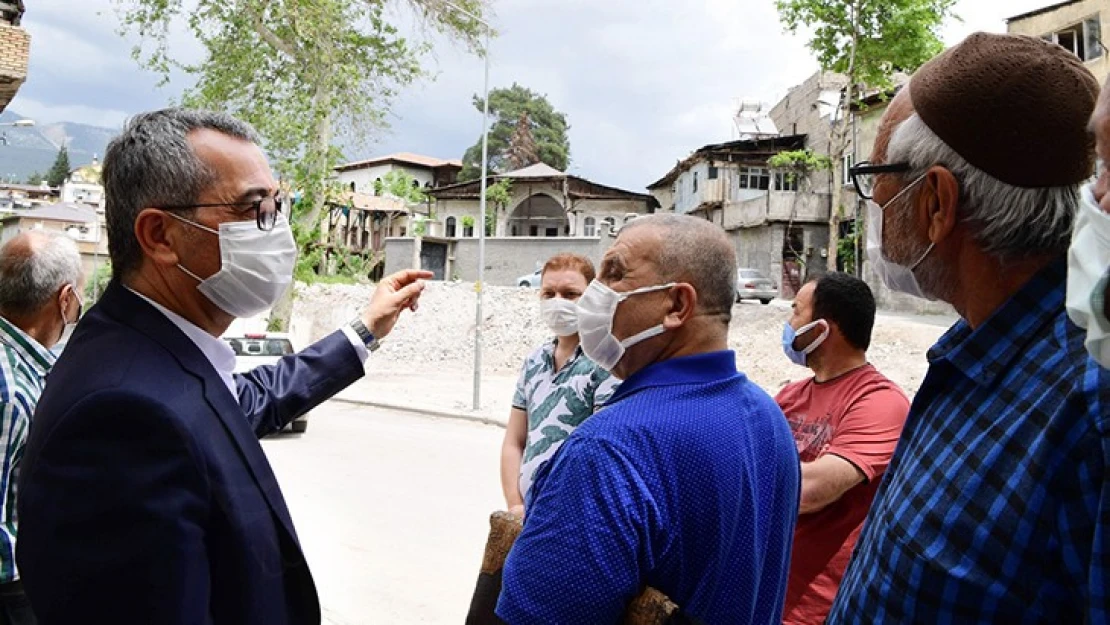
pixel 1016 107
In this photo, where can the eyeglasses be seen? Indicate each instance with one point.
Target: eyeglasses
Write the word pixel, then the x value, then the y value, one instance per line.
pixel 265 210
pixel 863 175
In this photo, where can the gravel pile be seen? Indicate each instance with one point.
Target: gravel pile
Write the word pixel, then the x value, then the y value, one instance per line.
pixel 439 338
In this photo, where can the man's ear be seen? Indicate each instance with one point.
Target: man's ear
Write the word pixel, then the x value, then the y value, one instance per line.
pixel 159 236
pixel 684 301
pixel 940 201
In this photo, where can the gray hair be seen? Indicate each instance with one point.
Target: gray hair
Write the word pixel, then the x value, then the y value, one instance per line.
pixel 1007 221
pixel 34 266
pixel 698 252
pixel 151 164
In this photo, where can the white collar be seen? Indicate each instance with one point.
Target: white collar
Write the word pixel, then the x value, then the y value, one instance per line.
pixel 218 353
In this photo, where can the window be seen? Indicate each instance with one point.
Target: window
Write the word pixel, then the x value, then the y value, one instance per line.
pixel 468 231
pixel 846 166
pixel 712 173
pixel 695 182
pixel 607 225
pixel 1084 39
pixel 786 181
pixel 352 187
pixel 589 227
pixel 449 227
pixel 755 178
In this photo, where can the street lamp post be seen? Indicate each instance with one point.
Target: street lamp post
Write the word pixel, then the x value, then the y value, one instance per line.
pixel 479 287
pixel 19 123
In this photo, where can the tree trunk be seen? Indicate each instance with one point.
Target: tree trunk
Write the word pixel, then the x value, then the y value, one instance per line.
pixel 317 155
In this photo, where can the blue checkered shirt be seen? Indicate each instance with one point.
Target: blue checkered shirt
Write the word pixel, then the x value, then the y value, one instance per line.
pixel 24 364
pixel 996 505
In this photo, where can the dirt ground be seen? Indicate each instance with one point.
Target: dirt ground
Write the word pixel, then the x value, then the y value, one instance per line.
pixel 429 357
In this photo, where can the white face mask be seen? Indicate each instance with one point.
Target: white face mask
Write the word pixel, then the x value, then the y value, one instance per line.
pixel 256 267
pixel 67 325
pixel 560 315
pixel 894 276
pixel 1088 273
pixel 596 309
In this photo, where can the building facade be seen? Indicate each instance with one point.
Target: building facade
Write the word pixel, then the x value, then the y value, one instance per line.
pixel 15 50
pixel 1077 25
pixel 83 223
pixel 428 172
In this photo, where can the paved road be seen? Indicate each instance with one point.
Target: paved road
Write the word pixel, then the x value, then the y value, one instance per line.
pixel 392 510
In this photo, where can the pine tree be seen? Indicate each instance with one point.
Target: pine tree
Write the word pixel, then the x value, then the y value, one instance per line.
pixel 59 171
pixel 522 150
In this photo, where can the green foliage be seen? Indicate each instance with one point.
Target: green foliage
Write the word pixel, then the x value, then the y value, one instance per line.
pixel 96 283
pixel 403 186
pixel 800 163
pixel 419 228
pixel 35 178
pixel 869 40
pixel 468 221
pixel 506 107
pixel 846 251
pixel 59 171
pixel 498 196
pixel 303 72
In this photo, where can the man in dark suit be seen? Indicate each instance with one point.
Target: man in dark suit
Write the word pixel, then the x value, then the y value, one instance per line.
pixel 145 496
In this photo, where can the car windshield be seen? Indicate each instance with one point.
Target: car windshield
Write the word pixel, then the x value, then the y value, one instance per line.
pixel 260 347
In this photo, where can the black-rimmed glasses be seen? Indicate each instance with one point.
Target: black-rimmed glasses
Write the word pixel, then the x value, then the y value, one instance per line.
pixel 265 209
pixel 863 175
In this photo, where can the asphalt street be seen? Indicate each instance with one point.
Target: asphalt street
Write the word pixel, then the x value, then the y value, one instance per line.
pixel 392 510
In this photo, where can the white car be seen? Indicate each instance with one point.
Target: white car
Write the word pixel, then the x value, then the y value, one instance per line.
pixel 531 280
pixel 265 348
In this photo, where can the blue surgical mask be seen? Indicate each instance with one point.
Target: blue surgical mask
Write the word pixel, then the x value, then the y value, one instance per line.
pixel 799 356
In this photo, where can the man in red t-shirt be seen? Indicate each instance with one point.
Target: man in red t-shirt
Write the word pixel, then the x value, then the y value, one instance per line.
pixel 846 421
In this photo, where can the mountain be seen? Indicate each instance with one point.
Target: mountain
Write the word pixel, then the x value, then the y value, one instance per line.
pixel 33 149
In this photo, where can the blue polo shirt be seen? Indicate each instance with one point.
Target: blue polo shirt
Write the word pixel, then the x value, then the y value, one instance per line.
pixel 687 481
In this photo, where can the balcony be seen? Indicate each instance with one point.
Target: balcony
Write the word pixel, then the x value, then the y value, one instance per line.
pixel 15 48
pixel 777 206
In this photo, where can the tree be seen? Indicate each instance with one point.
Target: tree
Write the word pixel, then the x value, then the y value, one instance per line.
pixel 403 187
pixel 506 106
pixel 522 150
pixel 59 171
pixel 867 41
pixel 303 72
pixel 35 178
pixel 498 196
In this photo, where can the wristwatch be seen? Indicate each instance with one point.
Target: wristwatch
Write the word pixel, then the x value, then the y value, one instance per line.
pixel 368 339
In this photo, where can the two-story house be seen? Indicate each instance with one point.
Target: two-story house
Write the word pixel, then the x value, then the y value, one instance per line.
pixel 79 221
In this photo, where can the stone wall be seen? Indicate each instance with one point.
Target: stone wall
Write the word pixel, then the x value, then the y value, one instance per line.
pixel 15 50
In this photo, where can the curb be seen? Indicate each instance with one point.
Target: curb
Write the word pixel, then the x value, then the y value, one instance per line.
pixel 456 415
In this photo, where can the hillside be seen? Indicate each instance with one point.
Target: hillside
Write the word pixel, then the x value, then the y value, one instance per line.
pixel 30 150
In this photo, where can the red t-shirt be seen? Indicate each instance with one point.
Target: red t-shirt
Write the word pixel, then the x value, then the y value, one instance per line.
pixel 858 417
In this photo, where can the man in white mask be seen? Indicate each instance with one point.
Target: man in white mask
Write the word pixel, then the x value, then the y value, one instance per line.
pixel 559 387
pixel 147 496
pixel 993 508
pixel 40 301
pixel 1089 257
pixel 687 481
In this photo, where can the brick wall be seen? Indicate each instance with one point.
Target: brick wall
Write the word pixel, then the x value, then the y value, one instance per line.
pixel 15 49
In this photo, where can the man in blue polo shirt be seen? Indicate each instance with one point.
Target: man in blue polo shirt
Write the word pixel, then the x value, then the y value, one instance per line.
pixel 687 481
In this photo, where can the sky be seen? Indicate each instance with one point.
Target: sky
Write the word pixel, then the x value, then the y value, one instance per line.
pixel 643 82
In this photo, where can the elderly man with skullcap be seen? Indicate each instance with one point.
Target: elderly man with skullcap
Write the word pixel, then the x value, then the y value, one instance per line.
pixel 996 505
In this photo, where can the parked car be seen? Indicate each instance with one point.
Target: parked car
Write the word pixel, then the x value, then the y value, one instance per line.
pixel 253 350
pixel 531 280
pixel 752 284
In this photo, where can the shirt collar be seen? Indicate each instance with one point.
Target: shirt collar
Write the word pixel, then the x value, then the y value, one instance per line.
pixel 696 369
pixel 985 352
pixel 549 352
pixel 33 354
pixel 215 350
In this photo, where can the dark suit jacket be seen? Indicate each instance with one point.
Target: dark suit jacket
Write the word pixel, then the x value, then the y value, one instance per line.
pixel 144 496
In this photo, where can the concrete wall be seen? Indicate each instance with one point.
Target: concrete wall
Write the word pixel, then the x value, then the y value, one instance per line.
pixel 599 210
pixel 364 178
pixel 507 259
pixel 799 113
pixel 776 206
pixel 1065 17
pixel 761 248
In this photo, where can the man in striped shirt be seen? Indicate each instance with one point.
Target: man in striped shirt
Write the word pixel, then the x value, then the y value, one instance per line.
pixel 40 285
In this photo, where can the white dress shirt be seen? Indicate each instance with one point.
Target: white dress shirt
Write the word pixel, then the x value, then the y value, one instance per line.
pixel 220 355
